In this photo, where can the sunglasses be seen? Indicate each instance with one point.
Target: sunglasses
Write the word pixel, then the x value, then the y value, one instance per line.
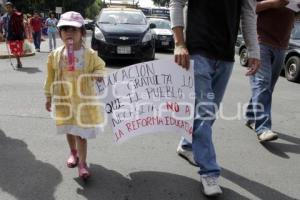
pixel 68 28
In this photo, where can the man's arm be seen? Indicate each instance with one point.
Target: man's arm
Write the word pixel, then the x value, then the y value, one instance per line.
pixel 269 4
pixel 177 22
pixel 249 30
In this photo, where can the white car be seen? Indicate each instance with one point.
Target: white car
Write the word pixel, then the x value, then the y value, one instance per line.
pixel 162 33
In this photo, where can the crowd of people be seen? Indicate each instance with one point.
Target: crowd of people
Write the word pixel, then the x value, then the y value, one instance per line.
pixel 20 30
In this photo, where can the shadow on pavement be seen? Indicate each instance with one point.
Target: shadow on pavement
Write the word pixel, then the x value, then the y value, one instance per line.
pixel 281 149
pixel 21 175
pixel 257 189
pixel 29 70
pixel 147 185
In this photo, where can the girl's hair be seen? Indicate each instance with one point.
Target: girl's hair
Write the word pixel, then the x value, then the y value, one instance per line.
pixel 82 30
pixel 52 13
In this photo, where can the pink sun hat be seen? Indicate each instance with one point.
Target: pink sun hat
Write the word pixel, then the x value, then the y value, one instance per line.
pixel 71 18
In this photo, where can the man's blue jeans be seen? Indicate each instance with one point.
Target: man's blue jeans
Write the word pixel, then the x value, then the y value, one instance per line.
pixel 262 86
pixel 37 39
pixel 52 38
pixel 211 78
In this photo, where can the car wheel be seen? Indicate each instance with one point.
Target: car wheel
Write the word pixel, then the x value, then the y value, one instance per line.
pixel 153 56
pixel 244 57
pixel 154 50
pixel 150 58
pixel 292 69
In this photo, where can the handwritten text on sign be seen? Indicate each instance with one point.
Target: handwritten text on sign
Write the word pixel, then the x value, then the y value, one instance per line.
pixel 149 97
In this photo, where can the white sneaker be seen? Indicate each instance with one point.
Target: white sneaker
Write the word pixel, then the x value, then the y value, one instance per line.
pixel 210 185
pixel 186 154
pixel 267 135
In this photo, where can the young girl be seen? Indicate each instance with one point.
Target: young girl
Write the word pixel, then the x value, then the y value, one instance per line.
pixel 51 25
pixel 76 113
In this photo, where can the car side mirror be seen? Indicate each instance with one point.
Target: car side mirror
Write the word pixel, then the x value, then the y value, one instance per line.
pixel 152 26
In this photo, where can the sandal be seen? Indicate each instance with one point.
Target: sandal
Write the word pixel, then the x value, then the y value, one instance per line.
pixel 19 66
pixel 83 171
pixel 73 159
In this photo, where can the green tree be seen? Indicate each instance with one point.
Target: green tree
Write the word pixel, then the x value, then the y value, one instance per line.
pixel 93 10
pixel 29 5
pixel 76 5
pixel 43 5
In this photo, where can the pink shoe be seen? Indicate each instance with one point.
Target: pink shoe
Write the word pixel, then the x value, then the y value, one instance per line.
pixel 73 159
pixel 83 171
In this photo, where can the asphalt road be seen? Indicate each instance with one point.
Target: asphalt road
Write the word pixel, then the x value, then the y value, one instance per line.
pixel 32 156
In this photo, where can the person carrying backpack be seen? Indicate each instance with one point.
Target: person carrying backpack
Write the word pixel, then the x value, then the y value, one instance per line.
pixel 14 31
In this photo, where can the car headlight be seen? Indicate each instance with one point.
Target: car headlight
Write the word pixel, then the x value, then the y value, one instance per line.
pixel 99 35
pixel 147 37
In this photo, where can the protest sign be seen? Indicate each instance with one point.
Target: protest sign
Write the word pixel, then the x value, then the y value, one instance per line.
pixel 149 97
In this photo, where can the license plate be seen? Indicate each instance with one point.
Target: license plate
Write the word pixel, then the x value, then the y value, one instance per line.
pixel 165 43
pixel 124 50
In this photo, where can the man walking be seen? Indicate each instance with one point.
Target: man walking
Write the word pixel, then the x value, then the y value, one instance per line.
pixel 36 25
pixel 274 26
pixel 211 33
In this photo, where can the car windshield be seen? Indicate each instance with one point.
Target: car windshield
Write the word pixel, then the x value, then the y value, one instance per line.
pixel 296 32
pixel 122 17
pixel 162 24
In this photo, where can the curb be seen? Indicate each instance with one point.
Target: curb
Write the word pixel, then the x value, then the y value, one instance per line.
pixel 12 56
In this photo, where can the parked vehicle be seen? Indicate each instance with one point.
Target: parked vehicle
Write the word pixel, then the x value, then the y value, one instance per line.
pixel 292 57
pixel 163 33
pixel 241 50
pixel 160 12
pixel 163 12
pixel 89 24
pixel 123 33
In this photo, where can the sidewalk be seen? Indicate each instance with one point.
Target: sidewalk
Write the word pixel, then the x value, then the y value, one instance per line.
pixel 4 52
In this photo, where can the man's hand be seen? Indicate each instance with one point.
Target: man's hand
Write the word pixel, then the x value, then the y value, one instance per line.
pixel 270 4
pixel 182 56
pixel 253 66
pixel 279 3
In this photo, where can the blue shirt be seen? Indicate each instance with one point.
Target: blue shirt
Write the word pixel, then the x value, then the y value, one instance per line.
pixel 51 24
